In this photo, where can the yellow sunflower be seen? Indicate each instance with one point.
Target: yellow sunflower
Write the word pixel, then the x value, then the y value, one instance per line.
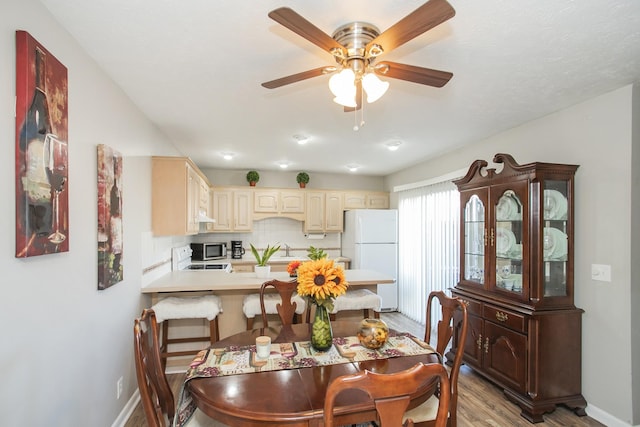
pixel 321 280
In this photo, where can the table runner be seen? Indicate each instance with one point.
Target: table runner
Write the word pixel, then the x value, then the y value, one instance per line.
pixel 236 360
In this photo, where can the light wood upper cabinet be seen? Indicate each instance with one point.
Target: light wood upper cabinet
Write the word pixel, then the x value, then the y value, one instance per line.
pixel 366 200
pixel 221 210
pixel 292 201
pixel 177 185
pixel 232 210
pixel 242 210
pixel 266 201
pixel 324 211
pixel 334 211
pixel 314 219
pixel 279 203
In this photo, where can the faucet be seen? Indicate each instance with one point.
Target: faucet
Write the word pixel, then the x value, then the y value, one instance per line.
pixel 286 250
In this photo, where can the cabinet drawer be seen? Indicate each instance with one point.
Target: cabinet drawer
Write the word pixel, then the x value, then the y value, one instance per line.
pixel 504 317
pixel 473 307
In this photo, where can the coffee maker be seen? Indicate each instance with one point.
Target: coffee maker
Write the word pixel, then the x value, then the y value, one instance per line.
pixel 236 249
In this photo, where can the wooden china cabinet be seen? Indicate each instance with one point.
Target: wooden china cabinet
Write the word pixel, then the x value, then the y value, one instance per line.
pixel 516 277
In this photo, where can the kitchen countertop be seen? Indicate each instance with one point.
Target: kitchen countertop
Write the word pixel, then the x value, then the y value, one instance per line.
pixel 211 280
pixel 275 260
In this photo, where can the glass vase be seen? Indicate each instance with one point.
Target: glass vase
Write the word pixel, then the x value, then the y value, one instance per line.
pixel 321 334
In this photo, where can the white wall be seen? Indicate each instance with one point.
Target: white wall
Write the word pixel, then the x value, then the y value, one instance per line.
pixel 64 343
pixel 351 181
pixel 597 135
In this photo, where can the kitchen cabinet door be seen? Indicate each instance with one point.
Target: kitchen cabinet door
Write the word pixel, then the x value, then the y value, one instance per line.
pixel 232 210
pixel 314 221
pixel 333 211
pixel 222 205
pixel 292 201
pixel 242 211
pixel 266 201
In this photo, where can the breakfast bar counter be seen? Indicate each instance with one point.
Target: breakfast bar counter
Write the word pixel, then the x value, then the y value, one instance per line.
pixel 198 280
pixel 232 288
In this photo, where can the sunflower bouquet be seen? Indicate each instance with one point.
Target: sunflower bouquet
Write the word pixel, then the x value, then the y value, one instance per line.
pixel 321 281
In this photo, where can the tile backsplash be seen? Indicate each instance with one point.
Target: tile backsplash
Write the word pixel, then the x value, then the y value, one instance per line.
pixel 273 231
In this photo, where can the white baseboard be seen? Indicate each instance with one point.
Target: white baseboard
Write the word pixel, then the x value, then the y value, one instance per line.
pixel 605 418
pixel 128 409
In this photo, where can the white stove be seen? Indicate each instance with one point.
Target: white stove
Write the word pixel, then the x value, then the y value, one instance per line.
pixel 181 260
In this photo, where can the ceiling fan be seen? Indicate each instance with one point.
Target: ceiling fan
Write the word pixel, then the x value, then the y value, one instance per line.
pixel 356 46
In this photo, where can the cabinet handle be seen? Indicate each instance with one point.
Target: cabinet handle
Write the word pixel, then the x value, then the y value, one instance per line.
pixel 502 317
pixel 479 342
pixel 486 237
pixel 493 237
pixel 465 302
pixel 486 345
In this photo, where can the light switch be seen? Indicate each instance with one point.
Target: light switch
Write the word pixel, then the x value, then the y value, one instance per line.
pixel 601 272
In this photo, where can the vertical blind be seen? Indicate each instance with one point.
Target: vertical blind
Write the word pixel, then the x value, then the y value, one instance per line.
pixel 428 223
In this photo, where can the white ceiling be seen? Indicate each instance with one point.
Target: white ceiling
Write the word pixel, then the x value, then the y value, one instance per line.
pixel 194 67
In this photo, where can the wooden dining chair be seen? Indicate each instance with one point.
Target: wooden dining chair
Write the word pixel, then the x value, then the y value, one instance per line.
pixel 287 303
pixel 155 392
pixel 454 318
pixel 391 393
pixel 251 303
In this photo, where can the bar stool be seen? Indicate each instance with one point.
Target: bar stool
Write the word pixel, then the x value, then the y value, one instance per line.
pixel 174 308
pixel 357 299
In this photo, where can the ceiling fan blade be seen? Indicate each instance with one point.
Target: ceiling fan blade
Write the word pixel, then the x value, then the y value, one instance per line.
pixel 427 16
pixel 298 77
pixel 412 73
pixel 358 98
pixel 299 25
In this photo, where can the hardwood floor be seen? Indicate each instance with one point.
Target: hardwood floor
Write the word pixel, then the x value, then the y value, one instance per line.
pixel 480 403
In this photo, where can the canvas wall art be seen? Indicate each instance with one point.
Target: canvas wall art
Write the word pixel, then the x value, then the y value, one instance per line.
pixel 110 233
pixel 41 151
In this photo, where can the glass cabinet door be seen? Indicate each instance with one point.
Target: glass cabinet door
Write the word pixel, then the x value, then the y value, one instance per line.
pixel 474 240
pixel 555 237
pixel 509 237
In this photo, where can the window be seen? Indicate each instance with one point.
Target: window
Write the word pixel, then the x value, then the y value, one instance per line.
pixel 428 221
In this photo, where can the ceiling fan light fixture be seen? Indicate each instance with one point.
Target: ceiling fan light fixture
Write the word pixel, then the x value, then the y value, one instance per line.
pixel 343 87
pixel 374 87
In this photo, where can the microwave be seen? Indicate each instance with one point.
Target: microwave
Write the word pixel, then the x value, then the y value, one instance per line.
pixel 208 251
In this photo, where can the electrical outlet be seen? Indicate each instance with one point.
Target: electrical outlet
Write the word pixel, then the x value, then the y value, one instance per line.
pixel 601 272
pixel 119 388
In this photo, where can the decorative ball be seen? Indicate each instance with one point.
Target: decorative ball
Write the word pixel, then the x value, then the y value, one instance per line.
pixel 373 333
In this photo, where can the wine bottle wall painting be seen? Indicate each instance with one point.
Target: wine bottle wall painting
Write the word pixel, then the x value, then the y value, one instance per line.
pixel 42 177
pixel 110 268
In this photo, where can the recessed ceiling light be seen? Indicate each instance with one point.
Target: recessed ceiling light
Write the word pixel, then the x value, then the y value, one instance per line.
pixel 301 139
pixel 227 156
pixel 353 167
pixel 283 165
pixel 393 145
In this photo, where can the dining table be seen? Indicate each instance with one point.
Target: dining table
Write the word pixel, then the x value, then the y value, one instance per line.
pixel 293 395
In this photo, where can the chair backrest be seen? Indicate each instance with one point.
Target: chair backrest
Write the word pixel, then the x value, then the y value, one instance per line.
pixel 155 392
pixel 286 309
pixel 452 320
pixel 391 393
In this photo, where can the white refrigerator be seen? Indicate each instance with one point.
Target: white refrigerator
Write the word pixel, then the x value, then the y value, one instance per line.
pixel 370 240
